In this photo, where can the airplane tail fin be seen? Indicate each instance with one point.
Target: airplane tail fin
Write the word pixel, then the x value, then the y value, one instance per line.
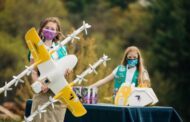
pixel 36 46
pixel 68 97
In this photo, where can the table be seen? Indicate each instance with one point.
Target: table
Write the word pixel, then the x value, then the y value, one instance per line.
pixel 112 113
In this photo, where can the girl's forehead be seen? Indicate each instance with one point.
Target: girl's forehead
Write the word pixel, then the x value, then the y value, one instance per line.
pixel 132 53
pixel 51 24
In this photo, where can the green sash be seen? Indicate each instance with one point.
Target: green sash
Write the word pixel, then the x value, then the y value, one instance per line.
pixel 120 77
pixel 61 52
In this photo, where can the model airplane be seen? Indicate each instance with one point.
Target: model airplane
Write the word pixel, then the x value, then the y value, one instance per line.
pixel 17 79
pixel 135 96
pixel 54 71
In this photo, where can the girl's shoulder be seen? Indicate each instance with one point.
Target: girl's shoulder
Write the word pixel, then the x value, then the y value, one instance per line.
pixel 119 68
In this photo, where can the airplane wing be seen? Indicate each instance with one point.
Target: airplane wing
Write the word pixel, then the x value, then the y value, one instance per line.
pixel 68 97
pixel 36 46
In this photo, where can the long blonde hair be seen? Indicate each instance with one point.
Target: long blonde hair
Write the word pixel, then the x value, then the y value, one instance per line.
pixel 140 65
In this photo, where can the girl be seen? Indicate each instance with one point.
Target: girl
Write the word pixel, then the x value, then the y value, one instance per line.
pixel 131 71
pixel 50 33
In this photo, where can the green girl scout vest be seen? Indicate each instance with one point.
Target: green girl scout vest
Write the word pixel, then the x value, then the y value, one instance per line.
pixel 120 77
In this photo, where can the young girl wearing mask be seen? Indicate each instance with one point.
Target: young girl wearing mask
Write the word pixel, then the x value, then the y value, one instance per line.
pixel 50 33
pixel 130 71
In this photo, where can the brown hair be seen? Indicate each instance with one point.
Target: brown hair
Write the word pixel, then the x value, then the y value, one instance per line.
pixel 140 65
pixel 43 23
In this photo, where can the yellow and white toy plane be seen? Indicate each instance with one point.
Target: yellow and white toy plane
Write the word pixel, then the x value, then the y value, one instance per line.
pixel 54 71
pixel 135 96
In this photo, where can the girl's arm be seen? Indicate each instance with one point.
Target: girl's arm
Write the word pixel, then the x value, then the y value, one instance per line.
pixel 103 81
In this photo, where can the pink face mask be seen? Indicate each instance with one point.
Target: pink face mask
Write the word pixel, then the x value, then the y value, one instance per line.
pixel 49 34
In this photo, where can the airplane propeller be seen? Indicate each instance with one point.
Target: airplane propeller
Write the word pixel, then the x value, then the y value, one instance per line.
pixel 6 88
pixel 52 101
pixel 86 26
pixel 29 70
pixel 105 58
pixel 73 37
pixel 40 111
pixel 93 69
pixel 17 80
pixel 81 78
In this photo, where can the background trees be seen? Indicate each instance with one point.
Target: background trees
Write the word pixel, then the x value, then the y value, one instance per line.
pixel 170 52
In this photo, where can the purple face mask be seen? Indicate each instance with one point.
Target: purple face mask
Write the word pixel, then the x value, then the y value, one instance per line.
pixel 49 34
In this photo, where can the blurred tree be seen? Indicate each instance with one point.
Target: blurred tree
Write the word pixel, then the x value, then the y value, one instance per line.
pixel 2 4
pixel 123 4
pixel 20 15
pixel 170 52
pixel 79 10
pixel 12 57
pixel 136 26
pixel 78 6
